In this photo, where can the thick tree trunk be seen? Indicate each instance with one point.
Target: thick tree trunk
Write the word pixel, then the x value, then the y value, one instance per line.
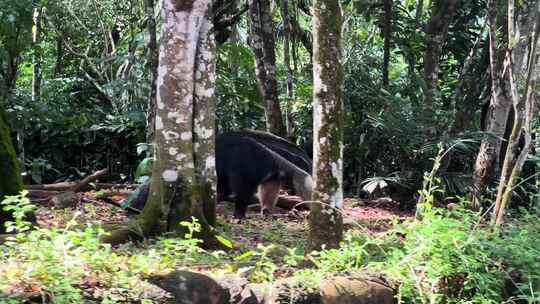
pixel 152 65
pixel 387 33
pixel 326 222
pixel 37 56
pixel 183 175
pixel 11 182
pixel 287 62
pixel 263 47
pixel 442 13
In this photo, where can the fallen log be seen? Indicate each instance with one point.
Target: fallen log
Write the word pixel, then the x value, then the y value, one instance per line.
pixel 90 178
pixel 291 202
pixel 73 186
pixel 42 193
pixel 62 186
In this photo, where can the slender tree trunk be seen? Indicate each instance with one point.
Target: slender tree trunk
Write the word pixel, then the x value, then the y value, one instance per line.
pixel 287 63
pixel 59 65
pixel 183 179
pixel 153 62
pixel 442 13
pixel 263 46
pixel 36 58
pixel 468 95
pixel 519 142
pixel 492 149
pixel 325 219
pixel 419 13
pixel 387 33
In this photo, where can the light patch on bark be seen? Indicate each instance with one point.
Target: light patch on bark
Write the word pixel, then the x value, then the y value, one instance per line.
pixel 177 117
pixel 186 136
pixel 170 135
pixel 210 162
pixel 159 123
pixel 173 151
pixel 180 157
pixel 170 176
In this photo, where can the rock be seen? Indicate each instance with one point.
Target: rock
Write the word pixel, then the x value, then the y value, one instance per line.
pixel 356 290
pixel 65 199
pixel 256 294
pixel 292 292
pixel 191 288
pixel 235 285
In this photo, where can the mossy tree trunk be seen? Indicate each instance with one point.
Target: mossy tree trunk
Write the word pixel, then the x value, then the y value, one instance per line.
pixel 10 182
pixel 325 219
pixel 263 46
pixel 183 179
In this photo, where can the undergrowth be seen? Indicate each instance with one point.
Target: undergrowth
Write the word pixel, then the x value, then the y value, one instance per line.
pixel 449 256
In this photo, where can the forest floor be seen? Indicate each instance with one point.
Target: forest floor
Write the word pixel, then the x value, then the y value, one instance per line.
pixel 286 231
pixel 284 227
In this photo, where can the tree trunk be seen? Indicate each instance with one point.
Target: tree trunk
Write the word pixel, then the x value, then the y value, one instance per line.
pixel 489 155
pixel 183 175
pixel 11 182
pixel 152 65
pixel 326 222
pixel 37 55
pixel 468 96
pixel 419 13
pixel 59 65
pixel 442 13
pixel 263 47
pixel 287 63
pixel 519 142
pixel 387 32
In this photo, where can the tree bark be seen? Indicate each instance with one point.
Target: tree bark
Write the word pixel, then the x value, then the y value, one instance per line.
pixel 387 33
pixel 183 174
pixel 442 13
pixel 11 182
pixel 59 65
pixel 263 47
pixel 473 83
pixel 500 102
pixel 326 222
pixel 519 142
pixel 287 62
pixel 37 54
pixel 152 65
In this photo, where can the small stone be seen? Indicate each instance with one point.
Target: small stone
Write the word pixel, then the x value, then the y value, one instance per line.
pixel 355 290
pixel 67 199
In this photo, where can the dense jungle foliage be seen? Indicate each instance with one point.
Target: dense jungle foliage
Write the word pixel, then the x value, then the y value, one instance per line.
pixel 425 192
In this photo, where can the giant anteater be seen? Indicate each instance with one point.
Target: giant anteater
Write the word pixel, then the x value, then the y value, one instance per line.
pixel 251 161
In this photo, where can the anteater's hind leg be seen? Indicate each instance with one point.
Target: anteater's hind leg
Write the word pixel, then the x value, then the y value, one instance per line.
pixel 268 193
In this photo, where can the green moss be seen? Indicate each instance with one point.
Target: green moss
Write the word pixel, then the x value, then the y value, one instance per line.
pixel 10 180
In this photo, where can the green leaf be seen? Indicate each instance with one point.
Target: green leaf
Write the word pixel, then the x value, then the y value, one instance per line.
pixel 227 243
